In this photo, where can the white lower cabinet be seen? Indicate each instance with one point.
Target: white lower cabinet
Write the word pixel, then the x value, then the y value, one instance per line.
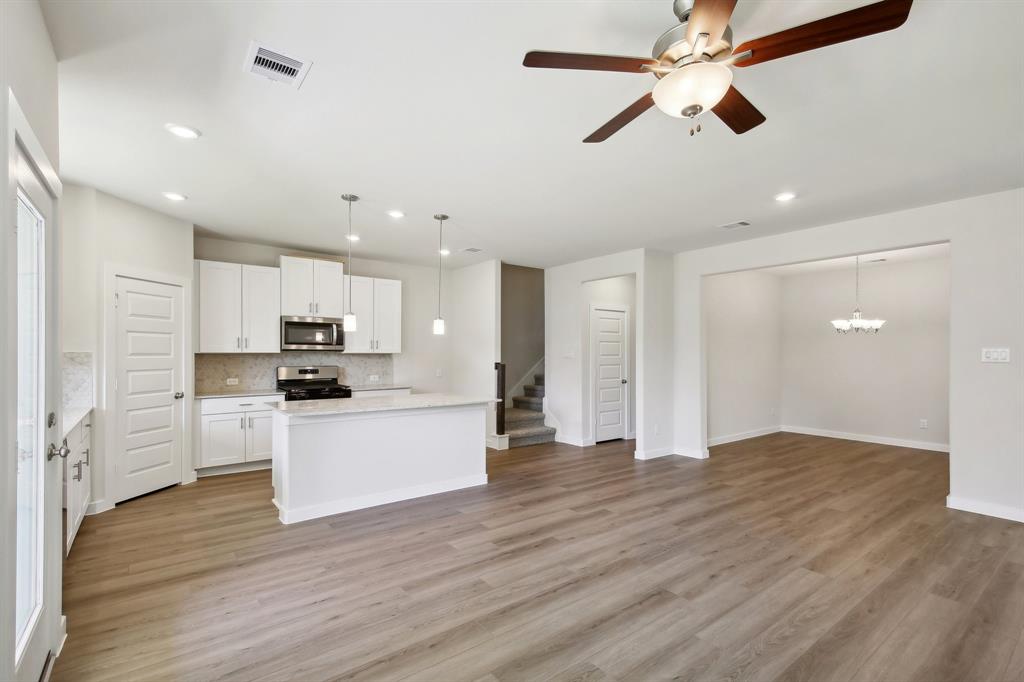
pixel 235 430
pixel 77 478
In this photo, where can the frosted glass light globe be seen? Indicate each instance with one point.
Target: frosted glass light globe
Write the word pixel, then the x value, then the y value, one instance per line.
pixel 700 83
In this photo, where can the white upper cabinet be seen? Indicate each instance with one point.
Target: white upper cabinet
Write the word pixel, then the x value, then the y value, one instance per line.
pixel 311 287
pixel 220 307
pixel 296 286
pixel 387 315
pixel 377 304
pixel 360 340
pixel 261 309
pixel 239 308
pixel 327 278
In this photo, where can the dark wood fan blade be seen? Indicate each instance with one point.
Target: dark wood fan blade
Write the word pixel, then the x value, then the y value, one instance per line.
pixel 586 62
pixel 857 23
pixel 737 112
pixel 621 119
pixel 711 17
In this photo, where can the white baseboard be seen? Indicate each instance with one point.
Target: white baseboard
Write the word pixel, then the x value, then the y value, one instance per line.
pixel 881 440
pixel 316 511
pixel 1000 511
pixel 496 442
pixel 570 440
pixel 693 453
pixel 733 437
pixel 653 453
pixel 233 468
pixel 98 506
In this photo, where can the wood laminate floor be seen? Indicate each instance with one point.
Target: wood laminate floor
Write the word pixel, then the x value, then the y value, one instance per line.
pixel 783 557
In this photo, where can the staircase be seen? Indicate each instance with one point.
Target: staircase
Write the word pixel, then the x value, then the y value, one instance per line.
pixel 524 421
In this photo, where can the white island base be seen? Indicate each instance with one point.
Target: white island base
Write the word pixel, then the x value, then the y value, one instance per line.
pixel 333 456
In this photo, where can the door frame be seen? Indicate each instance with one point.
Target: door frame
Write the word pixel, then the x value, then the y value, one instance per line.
pixel 594 387
pixel 105 420
pixel 19 135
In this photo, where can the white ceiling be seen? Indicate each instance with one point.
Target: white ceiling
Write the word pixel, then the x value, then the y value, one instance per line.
pixel 867 260
pixel 424 106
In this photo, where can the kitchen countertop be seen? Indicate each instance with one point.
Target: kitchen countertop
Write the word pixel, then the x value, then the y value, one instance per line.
pixel 314 408
pixel 380 387
pixel 239 392
pixel 71 416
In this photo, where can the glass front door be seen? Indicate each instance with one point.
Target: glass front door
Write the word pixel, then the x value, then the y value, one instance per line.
pixel 30 420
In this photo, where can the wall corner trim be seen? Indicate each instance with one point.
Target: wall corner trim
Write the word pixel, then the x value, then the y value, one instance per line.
pixel 733 437
pixel 1000 511
pixel 653 453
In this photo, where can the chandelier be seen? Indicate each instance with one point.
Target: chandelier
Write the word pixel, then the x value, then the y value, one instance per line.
pixel 857 323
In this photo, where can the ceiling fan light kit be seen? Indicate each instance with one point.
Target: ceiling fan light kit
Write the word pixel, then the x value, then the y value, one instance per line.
pixel 693 61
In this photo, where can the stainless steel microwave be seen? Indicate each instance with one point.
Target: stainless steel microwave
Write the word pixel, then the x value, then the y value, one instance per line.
pixel 311 333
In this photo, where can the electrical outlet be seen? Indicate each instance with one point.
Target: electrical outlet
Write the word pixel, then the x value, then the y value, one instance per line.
pixel 923 424
pixel 374 378
pixel 437 372
pixel 995 354
pixel 232 381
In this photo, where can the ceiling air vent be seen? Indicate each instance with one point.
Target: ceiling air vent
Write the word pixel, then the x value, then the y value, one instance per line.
pixel 471 249
pixel 265 62
pixel 733 226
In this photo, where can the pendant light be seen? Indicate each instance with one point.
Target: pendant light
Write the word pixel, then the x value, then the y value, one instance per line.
pixel 348 320
pixel 857 323
pixel 439 321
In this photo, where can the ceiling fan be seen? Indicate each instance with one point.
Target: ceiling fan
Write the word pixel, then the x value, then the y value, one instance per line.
pixel 692 60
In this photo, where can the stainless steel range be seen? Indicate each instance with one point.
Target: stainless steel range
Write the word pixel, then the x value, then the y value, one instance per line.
pixel 311 383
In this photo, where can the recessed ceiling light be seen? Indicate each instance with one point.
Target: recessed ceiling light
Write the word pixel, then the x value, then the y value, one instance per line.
pixel 785 196
pixel 444 252
pixel 174 196
pixel 395 213
pixel 183 132
pixel 353 237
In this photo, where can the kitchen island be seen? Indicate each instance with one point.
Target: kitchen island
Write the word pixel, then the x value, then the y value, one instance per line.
pixel 333 456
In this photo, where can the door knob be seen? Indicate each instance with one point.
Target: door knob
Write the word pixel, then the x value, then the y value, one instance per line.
pixel 53 451
pixel 179 395
pixel 623 381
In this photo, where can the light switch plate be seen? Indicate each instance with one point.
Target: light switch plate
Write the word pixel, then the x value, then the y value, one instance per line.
pixel 232 381
pixel 995 354
pixel 374 378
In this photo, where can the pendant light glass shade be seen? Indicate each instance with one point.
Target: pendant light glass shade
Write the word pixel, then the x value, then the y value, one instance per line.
pixel 439 321
pixel 692 89
pixel 348 320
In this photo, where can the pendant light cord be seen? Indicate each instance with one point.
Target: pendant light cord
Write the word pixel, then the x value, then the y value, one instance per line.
pixel 349 257
pixel 440 228
pixel 857 284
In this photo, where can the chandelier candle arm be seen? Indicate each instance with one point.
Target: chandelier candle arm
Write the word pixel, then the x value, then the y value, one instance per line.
pixel 348 320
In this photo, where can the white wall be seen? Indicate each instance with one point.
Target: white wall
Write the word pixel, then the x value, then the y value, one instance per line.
pixel 28 67
pixel 567 379
pixel 473 329
pixel 877 386
pixel 612 292
pixel 423 354
pixel 987 309
pixel 743 313
pixel 103 232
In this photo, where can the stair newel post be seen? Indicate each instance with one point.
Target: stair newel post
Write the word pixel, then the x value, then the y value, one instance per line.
pixel 499 368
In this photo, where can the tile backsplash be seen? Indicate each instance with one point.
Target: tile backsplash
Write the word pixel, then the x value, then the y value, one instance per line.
pixel 76 379
pixel 259 370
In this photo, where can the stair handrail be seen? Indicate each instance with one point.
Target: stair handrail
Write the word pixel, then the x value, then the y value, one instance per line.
pixel 499 410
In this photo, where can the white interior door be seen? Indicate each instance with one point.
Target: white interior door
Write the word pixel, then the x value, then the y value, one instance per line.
pixel 387 315
pixel 327 276
pixel 33 271
pixel 261 308
pixel 360 341
pixel 220 307
pixel 148 386
pixel 608 330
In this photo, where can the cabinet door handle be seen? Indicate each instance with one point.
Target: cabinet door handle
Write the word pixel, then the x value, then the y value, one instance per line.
pixel 250 422
pixel 86 453
pixel 310 307
pixel 317 307
pixel 78 467
pixel 241 423
pixel 238 341
pixel 247 342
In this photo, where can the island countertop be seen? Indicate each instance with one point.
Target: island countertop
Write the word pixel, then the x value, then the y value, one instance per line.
pixel 415 401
